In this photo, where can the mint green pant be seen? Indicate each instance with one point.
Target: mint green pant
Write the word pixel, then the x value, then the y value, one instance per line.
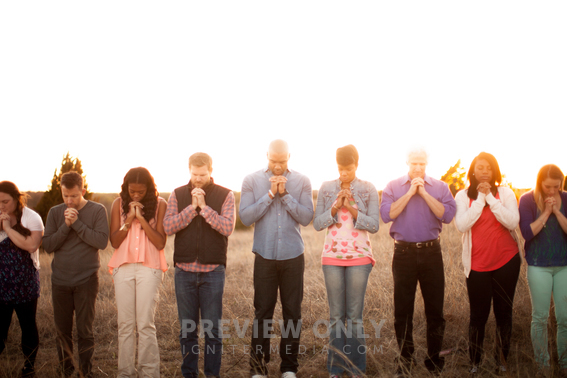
pixel 543 282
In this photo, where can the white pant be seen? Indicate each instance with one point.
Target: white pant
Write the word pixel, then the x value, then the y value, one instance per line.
pixel 137 292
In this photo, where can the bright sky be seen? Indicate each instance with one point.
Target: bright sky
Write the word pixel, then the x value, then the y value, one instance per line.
pixel 121 84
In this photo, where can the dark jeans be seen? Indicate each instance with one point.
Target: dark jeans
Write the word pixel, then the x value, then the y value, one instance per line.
pixel 79 300
pixel 200 293
pixel 496 287
pixel 269 276
pixel 30 337
pixel 411 265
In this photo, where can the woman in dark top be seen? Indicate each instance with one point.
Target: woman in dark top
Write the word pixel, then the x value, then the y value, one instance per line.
pixel 21 230
pixel 544 226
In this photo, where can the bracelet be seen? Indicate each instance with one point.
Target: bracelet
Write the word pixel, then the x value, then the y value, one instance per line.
pixel 543 224
pixel 271 194
pixel 336 208
pixel 125 227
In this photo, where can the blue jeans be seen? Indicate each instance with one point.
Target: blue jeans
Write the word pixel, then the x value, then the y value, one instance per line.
pixel 545 281
pixel 346 286
pixel 194 292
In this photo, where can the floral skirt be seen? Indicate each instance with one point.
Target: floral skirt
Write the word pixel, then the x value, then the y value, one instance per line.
pixel 19 279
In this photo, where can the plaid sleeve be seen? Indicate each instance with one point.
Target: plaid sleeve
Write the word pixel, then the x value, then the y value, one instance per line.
pixel 223 223
pixel 174 221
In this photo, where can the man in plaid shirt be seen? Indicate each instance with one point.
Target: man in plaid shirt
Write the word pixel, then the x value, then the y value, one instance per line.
pixel 201 215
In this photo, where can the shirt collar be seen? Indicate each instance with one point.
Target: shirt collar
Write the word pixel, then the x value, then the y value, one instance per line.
pixel 267 170
pixel 406 179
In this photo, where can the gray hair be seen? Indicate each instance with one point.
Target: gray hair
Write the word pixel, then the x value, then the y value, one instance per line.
pixel 417 151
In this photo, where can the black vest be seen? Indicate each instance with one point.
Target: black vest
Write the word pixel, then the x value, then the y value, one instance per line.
pixel 199 241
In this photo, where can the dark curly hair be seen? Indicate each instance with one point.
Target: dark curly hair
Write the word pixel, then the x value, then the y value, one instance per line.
pixel 12 190
pixel 140 175
pixel 496 175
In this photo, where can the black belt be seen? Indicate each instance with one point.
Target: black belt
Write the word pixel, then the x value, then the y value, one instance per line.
pixel 425 244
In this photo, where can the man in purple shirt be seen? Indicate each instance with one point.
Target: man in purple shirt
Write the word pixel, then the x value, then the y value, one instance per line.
pixel 418 205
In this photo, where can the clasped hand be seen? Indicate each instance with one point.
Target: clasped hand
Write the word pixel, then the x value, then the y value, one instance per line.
pixel 135 212
pixel 484 188
pixel 4 221
pixel 71 215
pixel 417 186
pixel 343 198
pixel 550 205
pixel 198 198
pixel 278 184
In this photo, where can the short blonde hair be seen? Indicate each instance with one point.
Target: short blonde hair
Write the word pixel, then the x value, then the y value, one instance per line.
pixel 200 159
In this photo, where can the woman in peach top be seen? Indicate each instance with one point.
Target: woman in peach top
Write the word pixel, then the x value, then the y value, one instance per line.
pixel 137 266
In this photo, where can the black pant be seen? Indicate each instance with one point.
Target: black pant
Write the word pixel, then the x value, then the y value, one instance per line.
pixel 495 287
pixel 269 275
pixel 81 301
pixel 411 265
pixel 30 337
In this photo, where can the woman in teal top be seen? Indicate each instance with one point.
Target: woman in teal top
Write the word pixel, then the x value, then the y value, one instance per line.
pixel 543 223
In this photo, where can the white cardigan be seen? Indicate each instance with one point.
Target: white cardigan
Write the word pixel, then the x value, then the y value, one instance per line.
pixel 504 209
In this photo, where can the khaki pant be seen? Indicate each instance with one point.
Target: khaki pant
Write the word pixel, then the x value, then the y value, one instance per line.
pixel 137 292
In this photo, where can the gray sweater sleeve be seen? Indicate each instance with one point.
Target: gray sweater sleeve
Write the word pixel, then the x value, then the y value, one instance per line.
pixel 56 230
pixel 98 235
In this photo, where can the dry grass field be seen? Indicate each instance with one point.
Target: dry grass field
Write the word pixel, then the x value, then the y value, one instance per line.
pixel 238 304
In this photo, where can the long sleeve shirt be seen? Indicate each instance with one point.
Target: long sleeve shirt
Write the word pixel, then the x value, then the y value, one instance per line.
pixel 223 223
pixel 549 246
pixel 417 223
pixel 75 248
pixel 504 209
pixel 277 233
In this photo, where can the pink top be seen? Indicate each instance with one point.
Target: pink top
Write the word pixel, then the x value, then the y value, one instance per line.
pixel 137 247
pixel 345 245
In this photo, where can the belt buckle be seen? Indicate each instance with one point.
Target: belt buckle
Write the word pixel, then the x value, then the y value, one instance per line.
pixel 419 245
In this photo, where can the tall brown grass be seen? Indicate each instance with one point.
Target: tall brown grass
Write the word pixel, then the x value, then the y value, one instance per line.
pixel 238 304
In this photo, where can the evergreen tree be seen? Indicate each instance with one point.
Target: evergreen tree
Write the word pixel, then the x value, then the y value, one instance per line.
pixel 455 178
pixel 53 196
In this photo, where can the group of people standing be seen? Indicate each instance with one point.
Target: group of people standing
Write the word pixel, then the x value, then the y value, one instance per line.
pixel 278 201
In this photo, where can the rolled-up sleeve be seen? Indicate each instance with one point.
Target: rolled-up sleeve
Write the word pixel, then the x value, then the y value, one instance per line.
pixel 250 210
pixel 301 211
pixel 387 201
pixel 449 204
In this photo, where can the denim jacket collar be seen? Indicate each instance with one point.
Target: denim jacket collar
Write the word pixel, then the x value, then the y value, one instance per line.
pixel 353 183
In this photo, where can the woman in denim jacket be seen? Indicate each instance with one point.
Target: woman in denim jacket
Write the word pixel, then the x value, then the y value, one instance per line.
pixel 348 208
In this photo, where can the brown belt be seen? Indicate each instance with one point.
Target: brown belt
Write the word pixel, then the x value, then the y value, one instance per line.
pixel 425 244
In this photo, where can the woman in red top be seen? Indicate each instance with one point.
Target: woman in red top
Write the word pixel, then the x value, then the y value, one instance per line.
pixel 487 215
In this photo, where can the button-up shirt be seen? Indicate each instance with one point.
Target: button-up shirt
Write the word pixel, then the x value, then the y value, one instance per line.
pixel 174 221
pixel 277 234
pixel 417 223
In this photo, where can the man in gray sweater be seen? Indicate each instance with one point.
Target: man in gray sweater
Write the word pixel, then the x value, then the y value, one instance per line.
pixel 74 232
